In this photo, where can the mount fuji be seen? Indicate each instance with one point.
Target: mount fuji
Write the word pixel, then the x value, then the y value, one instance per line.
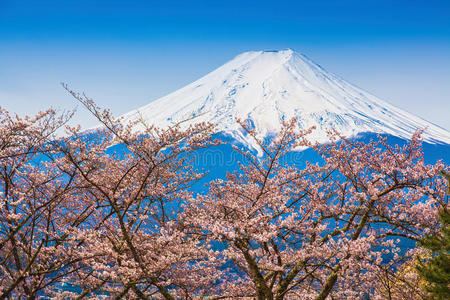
pixel 266 87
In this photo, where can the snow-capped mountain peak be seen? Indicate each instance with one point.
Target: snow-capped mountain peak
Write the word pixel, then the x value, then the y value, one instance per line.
pixel 266 87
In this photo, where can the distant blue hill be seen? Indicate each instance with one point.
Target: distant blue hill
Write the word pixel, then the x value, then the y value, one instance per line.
pixel 218 160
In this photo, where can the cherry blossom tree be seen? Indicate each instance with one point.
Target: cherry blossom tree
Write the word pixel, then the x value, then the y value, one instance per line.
pixel 80 219
pixel 134 244
pixel 32 200
pixel 111 212
pixel 323 232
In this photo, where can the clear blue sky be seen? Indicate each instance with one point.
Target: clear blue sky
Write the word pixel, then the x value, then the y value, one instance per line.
pixel 127 53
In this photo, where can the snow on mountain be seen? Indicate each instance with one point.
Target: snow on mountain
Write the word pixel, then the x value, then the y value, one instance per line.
pixel 265 87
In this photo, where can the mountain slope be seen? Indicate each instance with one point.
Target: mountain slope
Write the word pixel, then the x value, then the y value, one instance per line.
pixel 265 87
